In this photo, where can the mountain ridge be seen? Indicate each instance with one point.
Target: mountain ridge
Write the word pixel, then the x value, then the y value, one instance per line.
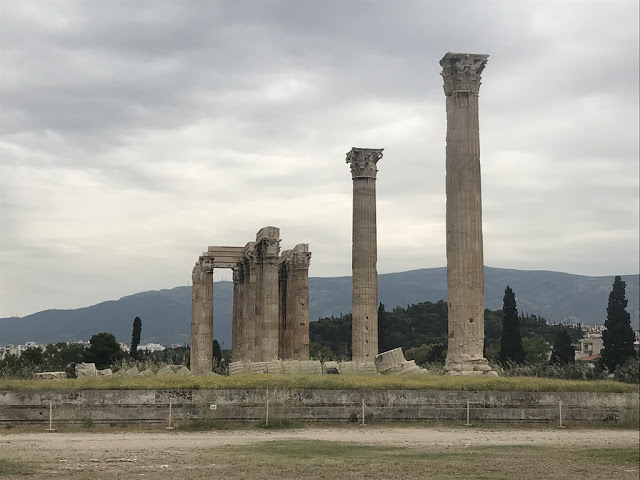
pixel 166 313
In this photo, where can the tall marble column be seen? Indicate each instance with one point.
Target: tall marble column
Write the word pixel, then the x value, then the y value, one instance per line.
pixel 364 342
pixel 202 317
pixel 297 305
pixel 236 317
pixel 267 253
pixel 248 335
pixel 465 277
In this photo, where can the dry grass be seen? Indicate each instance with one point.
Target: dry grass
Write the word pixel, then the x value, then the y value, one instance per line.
pixel 326 382
pixel 305 459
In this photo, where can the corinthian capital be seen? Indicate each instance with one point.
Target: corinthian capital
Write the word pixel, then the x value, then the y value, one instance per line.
pixel 461 72
pixel 363 161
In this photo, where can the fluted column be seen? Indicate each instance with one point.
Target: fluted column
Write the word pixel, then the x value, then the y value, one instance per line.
pixel 297 305
pixel 236 317
pixel 202 316
pixel 465 276
pixel 248 334
pixel 267 253
pixel 364 253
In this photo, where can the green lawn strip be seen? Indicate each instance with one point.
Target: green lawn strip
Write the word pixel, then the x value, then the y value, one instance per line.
pixel 618 456
pixel 301 458
pixel 326 382
pixel 10 467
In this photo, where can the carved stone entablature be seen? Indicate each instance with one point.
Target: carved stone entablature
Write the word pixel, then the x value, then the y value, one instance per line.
pixel 203 266
pixel 461 72
pixel 206 264
pixel 235 275
pixel 363 161
pixel 196 273
pixel 267 249
pixel 240 268
pixel 300 260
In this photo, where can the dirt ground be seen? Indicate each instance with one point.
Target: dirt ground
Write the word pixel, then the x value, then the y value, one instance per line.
pixel 187 455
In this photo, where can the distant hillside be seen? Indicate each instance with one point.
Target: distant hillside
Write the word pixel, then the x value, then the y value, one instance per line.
pixel 166 314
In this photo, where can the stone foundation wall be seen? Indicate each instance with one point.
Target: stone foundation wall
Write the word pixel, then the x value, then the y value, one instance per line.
pixel 152 406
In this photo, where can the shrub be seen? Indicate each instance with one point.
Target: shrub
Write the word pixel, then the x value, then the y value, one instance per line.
pixel 629 372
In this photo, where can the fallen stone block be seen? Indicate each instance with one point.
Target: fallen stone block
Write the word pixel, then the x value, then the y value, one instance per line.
pixel 237 368
pixel 105 372
pixel 49 375
pixel 165 371
pixel 86 370
pixel 258 367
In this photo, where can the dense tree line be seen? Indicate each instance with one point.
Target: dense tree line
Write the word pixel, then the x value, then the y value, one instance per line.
pixel 423 328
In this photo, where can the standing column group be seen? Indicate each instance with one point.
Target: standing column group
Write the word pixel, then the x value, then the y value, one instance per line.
pixel 465 275
pixel 364 252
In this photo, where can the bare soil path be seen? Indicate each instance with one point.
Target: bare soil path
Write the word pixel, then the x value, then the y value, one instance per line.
pixel 188 454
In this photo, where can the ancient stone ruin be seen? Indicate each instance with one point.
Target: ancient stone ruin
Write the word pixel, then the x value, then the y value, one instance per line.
pixel 270 302
pixel 465 276
pixel 364 253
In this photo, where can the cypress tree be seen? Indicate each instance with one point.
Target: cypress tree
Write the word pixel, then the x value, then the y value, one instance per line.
pixel 135 337
pixel 617 339
pixel 563 351
pixel 511 343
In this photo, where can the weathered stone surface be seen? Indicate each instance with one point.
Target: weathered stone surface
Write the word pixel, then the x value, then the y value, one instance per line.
pixel 202 316
pixel 183 371
pixel 165 371
pixel 132 372
pixel 394 363
pixel 85 370
pixel 237 368
pixel 105 372
pixel 150 406
pixel 465 281
pixel 146 373
pixel 270 302
pixel 363 163
pixel 357 368
pixel 50 375
pixel 258 367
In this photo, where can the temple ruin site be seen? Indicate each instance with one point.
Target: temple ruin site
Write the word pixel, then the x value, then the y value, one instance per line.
pixel 270 322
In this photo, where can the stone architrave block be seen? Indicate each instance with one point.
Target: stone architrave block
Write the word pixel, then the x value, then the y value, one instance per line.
pixel 49 375
pixel 86 370
pixel 237 368
pixel 310 367
pixel 258 367
pixel 132 372
pixel 165 371
pixel 275 367
pixel 146 373
pixel 105 373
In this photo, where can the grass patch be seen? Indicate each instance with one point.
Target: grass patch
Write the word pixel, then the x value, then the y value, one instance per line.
pixel 9 467
pixel 616 456
pixel 310 459
pixel 326 382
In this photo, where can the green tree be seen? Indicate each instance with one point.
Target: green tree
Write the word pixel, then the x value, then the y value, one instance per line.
pixel 103 350
pixel 217 352
pixel 617 339
pixel 511 349
pixel 563 352
pixel 135 337
pixel 33 355
pixel 536 350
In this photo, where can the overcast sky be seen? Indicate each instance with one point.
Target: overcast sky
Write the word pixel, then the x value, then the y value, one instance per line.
pixel 133 134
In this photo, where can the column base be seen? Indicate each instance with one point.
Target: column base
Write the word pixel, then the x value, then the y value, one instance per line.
pixel 479 366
